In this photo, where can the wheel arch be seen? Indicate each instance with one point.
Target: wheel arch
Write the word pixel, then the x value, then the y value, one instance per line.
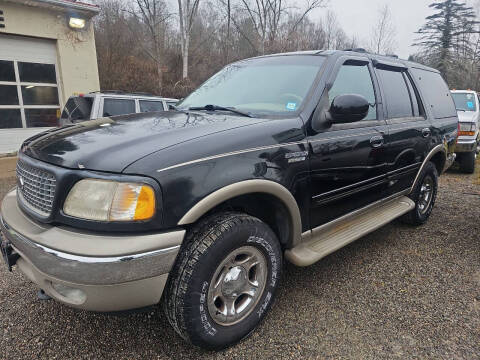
pixel 267 193
pixel 438 156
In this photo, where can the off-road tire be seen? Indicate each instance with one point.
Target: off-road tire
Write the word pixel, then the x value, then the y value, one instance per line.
pixel 416 217
pixel 205 247
pixel 467 162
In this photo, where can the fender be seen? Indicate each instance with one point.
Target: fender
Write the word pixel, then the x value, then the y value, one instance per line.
pixel 244 188
pixel 431 154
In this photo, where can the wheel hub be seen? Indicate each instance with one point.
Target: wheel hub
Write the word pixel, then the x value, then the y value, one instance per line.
pixel 234 281
pixel 237 285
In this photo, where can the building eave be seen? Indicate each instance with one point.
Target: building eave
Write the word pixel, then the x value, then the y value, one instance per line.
pixel 88 10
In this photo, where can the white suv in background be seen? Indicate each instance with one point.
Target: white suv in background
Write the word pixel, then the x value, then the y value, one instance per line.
pixel 111 103
pixel 468 145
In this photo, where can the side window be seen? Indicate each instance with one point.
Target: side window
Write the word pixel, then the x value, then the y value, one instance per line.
pixel 355 79
pixel 112 107
pixel 149 106
pixel 436 91
pixel 418 109
pixel 397 96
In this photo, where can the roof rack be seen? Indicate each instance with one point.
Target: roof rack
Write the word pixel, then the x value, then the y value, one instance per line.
pixel 392 56
pixel 360 50
pixel 122 92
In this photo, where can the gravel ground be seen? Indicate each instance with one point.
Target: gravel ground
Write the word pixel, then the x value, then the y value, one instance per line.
pixel 400 292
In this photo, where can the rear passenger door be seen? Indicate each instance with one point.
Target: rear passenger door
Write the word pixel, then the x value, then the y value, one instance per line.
pixel 409 131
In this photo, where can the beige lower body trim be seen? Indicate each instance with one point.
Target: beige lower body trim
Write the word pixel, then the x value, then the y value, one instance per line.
pixel 105 298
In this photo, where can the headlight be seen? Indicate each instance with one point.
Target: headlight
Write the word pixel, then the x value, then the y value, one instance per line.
pixel 105 200
pixel 467 129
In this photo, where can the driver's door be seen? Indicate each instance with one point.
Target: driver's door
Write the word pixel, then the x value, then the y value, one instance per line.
pixel 348 161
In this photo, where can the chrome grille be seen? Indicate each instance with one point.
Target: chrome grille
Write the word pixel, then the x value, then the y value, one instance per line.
pixel 36 188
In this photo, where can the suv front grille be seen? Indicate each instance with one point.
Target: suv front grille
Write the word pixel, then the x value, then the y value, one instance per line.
pixel 36 188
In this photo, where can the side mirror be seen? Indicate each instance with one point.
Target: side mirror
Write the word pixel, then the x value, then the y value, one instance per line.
pixel 348 108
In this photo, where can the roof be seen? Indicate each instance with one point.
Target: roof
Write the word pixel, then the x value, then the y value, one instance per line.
pixel 84 8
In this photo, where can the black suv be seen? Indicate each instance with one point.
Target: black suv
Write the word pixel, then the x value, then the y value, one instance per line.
pixel 288 156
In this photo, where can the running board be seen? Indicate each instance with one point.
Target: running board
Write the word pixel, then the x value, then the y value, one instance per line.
pixel 330 237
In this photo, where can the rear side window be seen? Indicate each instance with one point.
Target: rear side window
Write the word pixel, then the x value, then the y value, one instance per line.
pixel 78 108
pixel 112 107
pixel 436 92
pixel 149 106
pixel 397 96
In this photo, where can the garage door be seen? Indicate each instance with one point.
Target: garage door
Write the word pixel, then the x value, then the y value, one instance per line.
pixel 29 93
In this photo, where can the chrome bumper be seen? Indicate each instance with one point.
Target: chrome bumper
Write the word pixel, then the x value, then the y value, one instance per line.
pixel 85 257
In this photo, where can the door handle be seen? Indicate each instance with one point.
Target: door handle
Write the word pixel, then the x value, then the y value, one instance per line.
pixel 377 141
pixel 426 132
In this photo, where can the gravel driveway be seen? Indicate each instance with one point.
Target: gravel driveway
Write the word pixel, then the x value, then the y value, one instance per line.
pixel 400 292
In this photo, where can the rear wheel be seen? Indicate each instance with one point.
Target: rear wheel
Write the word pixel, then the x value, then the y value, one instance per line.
pixel 467 162
pixel 424 196
pixel 224 281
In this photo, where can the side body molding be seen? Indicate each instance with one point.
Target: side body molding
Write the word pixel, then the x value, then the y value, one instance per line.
pixel 249 187
pixel 437 149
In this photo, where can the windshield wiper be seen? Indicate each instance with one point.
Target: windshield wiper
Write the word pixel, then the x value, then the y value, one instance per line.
pixel 461 110
pixel 220 108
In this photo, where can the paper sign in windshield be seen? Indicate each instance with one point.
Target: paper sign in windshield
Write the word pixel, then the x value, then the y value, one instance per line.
pixel 470 104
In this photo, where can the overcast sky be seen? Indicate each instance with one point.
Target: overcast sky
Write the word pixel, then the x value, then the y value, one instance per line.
pixel 357 16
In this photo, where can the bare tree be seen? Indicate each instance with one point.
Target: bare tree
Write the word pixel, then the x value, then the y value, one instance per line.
pixel 151 20
pixel 383 35
pixel 187 11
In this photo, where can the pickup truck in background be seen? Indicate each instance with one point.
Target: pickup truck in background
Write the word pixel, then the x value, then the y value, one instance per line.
pixel 111 103
pixel 468 144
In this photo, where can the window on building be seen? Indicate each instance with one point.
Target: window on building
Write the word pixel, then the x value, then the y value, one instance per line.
pixel 28 95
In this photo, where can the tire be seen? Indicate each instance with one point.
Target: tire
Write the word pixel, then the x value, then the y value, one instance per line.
pixel 195 307
pixel 423 208
pixel 467 162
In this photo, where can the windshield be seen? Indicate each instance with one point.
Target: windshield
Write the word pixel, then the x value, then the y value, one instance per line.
pixel 269 86
pixel 465 101
pixel 77 108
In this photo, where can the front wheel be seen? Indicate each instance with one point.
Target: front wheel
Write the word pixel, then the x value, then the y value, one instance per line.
pixel 224 281
pixel 424 195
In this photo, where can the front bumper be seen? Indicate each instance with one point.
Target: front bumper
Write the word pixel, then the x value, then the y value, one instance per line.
pixel 466 145
pixel 87 270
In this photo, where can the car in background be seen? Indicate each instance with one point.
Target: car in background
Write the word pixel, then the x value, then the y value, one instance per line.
pixel 468 145
pixel 111 103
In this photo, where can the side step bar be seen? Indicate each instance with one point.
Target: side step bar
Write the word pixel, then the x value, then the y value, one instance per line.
pixel 330 237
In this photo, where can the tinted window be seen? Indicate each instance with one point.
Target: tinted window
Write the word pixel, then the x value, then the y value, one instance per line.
pixel 10 118
pixel 112 107
pixel 8 95
pixel 416 102
pixel 465 101
pixel 148 106
pixel 436 92
pixel 7 73
pixel 78 108
pixel 41 117
pixel 40 95
pixel 397 97
pixel 355 79
pixel 37 73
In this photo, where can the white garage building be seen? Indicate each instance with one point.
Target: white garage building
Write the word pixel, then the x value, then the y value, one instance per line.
pixel 47 53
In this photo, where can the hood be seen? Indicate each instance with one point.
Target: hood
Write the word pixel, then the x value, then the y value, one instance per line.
pixel 111 144
pixel 467 116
